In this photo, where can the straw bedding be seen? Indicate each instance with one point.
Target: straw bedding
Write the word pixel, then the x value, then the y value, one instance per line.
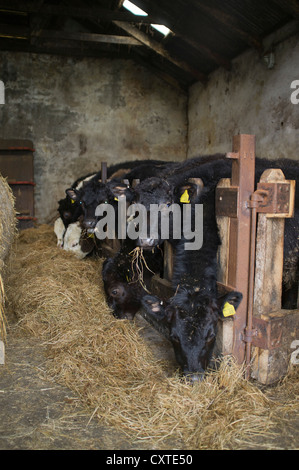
pixel 110 366
pixel 7 233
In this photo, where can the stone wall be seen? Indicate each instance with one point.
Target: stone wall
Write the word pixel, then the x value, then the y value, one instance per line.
pixel 79 112
pixel 248 99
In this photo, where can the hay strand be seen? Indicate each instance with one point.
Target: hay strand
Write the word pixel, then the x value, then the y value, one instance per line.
pixel 138 263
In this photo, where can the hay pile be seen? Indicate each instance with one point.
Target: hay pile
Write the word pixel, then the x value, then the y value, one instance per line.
pixel 109 365
pixel 7 233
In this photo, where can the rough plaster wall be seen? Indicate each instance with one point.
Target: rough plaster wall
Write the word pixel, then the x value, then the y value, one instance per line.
pixel 249 99
pixel 79 112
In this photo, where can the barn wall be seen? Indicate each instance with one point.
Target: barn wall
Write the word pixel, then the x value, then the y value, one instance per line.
pixel 249 99
pixel 79 112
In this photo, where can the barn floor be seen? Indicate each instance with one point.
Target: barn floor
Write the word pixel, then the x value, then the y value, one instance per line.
pixel 39 414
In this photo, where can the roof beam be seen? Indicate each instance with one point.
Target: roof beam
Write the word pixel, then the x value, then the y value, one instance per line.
pixel 92 13
pixel 159 49
pixel 13 31
pixel 89 37
pixel 174 24
pixel 21 32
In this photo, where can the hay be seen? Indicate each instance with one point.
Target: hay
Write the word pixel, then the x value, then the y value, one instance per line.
pixel 112 369
pixel 7 233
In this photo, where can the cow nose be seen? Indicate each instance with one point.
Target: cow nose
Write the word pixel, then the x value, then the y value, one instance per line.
pixel 194 378
pixel 89 223
pixel 146 242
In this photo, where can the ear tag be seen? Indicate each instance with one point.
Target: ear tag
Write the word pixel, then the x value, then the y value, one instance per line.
pixel 185 197
pixel 72 201
pixel 228 310
pixel 90 235
pixel 115 199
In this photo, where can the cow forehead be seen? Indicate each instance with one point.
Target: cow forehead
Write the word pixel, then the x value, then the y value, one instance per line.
pixel 194 315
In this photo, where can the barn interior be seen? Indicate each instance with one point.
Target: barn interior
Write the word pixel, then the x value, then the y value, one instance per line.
pixel 91 82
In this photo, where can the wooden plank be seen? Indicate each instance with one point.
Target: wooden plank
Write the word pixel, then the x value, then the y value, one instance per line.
pixel 271 362
pixel 269 257
pixel 92 13
pixel 88 37
pixel 225 333
pixel 270 365
pixel 160 49
pixel 13 31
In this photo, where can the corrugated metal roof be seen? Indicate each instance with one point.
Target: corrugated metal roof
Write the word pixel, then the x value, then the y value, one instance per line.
pixel 206 34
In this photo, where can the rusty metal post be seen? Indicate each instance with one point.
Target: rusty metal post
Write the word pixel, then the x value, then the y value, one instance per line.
pixel 243 173
pixel 104 172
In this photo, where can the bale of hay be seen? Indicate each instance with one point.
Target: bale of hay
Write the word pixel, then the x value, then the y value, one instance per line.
pixel 7 218
pixel 7 233
pixel 111 367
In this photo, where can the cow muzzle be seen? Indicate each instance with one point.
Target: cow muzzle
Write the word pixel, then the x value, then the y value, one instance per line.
pixel 89 224
pixel 147 243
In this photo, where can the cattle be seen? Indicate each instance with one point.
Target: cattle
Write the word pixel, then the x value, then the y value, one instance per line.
pixel 191 315
pixel 91 195
pixel 126 279
pixel 78 241
pixel 70 208
pixel 70 211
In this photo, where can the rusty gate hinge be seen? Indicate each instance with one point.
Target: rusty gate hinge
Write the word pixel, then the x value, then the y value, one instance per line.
pixel 273 198
pixel 249 334
pixel 277 200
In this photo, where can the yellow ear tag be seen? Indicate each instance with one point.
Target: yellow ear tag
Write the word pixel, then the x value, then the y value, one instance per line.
pixel 228 310
pixel 185 197
pixel 90 235
pixel 72 201
pixel 115 199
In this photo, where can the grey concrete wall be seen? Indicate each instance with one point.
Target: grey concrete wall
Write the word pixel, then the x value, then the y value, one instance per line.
pixel 79 112
pixel 249 99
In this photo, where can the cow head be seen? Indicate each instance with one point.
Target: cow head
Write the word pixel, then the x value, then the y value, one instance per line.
pixel 69 210
pixel 92 195
pixel 191 319
pixel 162 193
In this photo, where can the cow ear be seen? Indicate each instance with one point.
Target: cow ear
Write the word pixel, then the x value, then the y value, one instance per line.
pixel 121 189
pixel 229 303
pixel 72 194
pixel 188 192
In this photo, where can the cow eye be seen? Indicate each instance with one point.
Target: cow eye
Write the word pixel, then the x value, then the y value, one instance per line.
pixel 210 338
pixel 114 292
pixel 174 337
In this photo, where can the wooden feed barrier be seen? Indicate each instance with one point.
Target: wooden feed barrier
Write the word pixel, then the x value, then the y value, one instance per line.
pixel 260 333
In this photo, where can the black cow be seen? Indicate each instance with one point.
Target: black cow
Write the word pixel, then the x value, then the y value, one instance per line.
pixel 192 314
pixel 124 288
pixel 94 193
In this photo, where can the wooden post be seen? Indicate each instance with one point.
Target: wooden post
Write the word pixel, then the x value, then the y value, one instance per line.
pixel 276 328
pixel 225 334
